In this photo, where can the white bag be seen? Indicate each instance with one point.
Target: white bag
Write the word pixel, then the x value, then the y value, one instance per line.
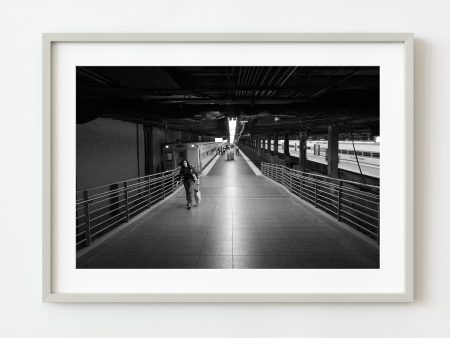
pixel 198 194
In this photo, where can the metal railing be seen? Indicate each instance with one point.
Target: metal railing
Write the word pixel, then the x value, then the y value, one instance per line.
pixel 352 203
pixel 101 209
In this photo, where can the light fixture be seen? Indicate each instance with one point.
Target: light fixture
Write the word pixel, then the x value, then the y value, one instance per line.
pixel 232 128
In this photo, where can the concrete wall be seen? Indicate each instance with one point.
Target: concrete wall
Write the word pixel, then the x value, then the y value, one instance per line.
pixel 109 151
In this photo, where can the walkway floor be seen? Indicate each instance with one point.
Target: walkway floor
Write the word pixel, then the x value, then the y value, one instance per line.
pixel 244 221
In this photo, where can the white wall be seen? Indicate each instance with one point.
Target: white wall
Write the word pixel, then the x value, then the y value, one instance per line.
pixel 22 314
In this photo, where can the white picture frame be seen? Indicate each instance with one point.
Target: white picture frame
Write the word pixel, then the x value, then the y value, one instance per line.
pixel 50 167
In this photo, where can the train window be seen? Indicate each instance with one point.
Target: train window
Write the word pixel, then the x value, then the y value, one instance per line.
pixel 344 151
pixel 366 154
pixel 359 153
pixel 377 155
pixel 351 152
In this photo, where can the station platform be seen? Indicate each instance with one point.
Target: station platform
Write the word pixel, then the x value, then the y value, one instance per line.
pixel 245 221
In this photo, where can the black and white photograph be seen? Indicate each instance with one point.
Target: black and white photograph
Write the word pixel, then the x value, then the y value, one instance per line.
pixel 227 167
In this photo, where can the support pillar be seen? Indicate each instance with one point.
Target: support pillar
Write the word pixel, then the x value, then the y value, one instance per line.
pixel 275 144
pixel 287 159
pixel 333 155
pixel 302 151
pixel 150 160
pixel 268 144
pixel 258 146
pixel 263 145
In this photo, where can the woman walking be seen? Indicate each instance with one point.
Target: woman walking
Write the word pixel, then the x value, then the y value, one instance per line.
pixel 190 179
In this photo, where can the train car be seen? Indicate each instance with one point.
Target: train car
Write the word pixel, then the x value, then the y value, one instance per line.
pixel 198 154
pixel 367 152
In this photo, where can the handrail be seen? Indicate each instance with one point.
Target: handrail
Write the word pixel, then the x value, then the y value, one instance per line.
pixel 359 208
pixel 101 208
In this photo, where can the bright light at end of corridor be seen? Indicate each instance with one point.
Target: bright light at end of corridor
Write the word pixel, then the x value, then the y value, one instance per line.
pixel 232 128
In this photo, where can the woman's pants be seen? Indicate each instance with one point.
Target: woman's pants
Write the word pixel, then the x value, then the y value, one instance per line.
pixel 189 187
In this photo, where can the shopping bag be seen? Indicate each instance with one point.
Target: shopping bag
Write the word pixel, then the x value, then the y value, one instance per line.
pixel 198 195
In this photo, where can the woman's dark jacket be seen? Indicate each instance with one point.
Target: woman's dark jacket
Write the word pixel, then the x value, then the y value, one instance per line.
pixel 186 174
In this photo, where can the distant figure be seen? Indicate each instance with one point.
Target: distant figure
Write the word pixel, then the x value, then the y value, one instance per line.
pixel 237 151
pixel 190 179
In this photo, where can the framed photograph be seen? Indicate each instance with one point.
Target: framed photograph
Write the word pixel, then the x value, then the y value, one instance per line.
pixel 228 167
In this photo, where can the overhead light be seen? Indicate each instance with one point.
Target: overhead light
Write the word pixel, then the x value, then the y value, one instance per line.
pixel 232 128
pixel 276 119
pixel 167 147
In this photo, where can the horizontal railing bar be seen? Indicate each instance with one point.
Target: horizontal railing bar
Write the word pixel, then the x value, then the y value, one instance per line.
pixel 138 204
pixel 359 226
pixel 321 192
pixel 107 206
pixel 83 240
pixel 106 220
pixel 126 181
pixel 363 193
pixel 137 211
pixel 109 226
pixel 331 211
pixel 329 199
pixel 140 193
pixel 361 198
pixel 360 205
pixel 334 186
pixel 337 188
pixel 118 191
pixel 320 176
pixel 104 196
pixel 359 212
pixel 92 219
pixel 359 219
pixel 138 200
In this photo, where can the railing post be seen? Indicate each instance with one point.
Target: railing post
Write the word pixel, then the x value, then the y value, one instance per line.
pixel 126 201
pixel 339 201
pixel 301 185
pixel 88 217
pixel 149 193
pixel 172 188
pixel 290 180
pixel 164 185
pixel 378 222
pixel 315 192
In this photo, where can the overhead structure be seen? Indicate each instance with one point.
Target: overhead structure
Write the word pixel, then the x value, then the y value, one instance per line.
pixel 268 99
